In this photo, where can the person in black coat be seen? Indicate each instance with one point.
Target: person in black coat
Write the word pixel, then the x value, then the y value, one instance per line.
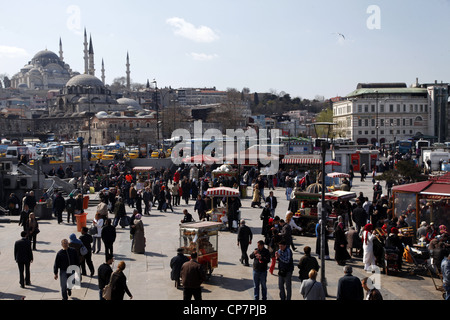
pixel 265 216
pixel 24 257
pixel 87 240
pixel 175 265
pixel 108 236
pixel 200 207
pixel 119 283
pixel 340 245
pixel 65 258
pixel 59 204
pixel 104 273
pixel 244 239
pixel 349 286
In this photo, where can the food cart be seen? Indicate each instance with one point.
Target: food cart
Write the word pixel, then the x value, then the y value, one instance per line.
pixel 307 214
pixel 219 214
pixel 201 237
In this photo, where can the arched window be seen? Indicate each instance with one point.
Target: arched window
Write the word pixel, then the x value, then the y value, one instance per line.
pixel 418 118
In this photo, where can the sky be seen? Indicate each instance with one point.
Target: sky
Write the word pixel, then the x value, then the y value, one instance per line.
pixel 303 48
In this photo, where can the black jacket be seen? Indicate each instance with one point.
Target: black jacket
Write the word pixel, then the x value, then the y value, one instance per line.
pixel 244 235
pixel 22 251
pixel 261 264
pixel 108 234
pixel 64 259
pixel 349 288
pixel 175 264
pixel 104 274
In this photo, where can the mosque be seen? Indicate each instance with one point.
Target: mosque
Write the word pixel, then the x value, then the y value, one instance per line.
pixel 82 104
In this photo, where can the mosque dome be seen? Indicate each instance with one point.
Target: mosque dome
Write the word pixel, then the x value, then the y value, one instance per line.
pixel 85 80
pixel 129 103
pixel 45 54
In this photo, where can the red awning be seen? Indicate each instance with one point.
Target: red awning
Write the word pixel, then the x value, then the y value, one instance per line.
pixel 437 190
pixel 302 159
pixel 412 187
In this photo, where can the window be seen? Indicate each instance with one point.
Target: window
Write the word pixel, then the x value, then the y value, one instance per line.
pixel 359 108
pixel 391 108
pixel 372 108
pixel 382 108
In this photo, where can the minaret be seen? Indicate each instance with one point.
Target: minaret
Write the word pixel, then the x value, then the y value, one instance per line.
pixel 91 58
pixel 128 73
pixel 86 57
pixel 103 72
pixel 60 50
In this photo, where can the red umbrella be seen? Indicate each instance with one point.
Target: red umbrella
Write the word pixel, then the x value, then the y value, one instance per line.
pixel 333 163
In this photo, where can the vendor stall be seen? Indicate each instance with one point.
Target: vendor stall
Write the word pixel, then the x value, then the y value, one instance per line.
pixel 201 237
pixel 219 214
pixel 427 201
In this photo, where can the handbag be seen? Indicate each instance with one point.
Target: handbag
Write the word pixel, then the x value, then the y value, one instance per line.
pixel 107 290
pixel 93 230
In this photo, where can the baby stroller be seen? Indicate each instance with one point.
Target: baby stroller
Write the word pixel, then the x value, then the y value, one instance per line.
pixel 391 266
pixel 419 258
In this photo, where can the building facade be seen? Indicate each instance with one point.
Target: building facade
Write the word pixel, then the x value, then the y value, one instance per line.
pixel 378 113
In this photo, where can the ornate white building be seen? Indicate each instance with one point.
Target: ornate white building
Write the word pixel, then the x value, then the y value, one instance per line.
pixel 385 112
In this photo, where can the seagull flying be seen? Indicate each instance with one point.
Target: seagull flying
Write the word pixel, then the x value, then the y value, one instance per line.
pixel 340 34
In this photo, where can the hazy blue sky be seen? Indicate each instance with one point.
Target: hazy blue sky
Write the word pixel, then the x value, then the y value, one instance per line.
pixel 266 45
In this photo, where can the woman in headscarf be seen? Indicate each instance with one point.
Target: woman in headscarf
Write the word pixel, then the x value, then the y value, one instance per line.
pixel 367 240
pixel 139 235
pixel 340 245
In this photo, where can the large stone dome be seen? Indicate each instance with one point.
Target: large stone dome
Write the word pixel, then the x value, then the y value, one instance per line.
pixel 45 54
pixel 85 80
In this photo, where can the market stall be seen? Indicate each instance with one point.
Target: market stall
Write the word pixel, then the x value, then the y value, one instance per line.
pixel 219 214
pixel 336 180
pixel 201 237
pixel 427 201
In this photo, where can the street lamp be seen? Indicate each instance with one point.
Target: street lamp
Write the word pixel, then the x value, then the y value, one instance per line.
pixel 80 142
pixel 323 129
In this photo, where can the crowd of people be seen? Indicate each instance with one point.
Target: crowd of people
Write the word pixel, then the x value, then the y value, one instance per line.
pixel 121 189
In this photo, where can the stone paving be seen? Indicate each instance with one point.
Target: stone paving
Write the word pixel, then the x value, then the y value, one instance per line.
pixel 148 274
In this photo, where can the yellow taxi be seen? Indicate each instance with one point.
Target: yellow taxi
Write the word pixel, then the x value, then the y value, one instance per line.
pixel 155 154
pixel 97 154
pixel 134 154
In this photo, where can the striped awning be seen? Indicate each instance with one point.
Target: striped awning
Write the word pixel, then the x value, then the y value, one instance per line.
pixel 222 192
pixel 143 169
pixel 302 159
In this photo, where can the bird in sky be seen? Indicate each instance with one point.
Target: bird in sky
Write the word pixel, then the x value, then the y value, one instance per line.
pixel 339 34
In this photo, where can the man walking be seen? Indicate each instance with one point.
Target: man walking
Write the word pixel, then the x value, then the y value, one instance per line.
pixel 104 273
pixel 349 286
pixel 261 257
pixel 192 276
pixel 272 200
pixel 65 258
pixel 285 269
pixel 23 256
pixel 244 238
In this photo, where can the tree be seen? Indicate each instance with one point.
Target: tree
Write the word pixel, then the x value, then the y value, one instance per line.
pixel 405 169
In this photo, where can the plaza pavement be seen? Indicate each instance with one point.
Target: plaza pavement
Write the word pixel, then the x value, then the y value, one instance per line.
pixel 149 274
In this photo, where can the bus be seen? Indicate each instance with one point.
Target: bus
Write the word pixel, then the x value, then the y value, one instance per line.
pixel 404 146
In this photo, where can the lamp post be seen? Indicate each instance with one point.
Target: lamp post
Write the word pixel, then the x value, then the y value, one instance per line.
pixel 323 128
pixel 80 142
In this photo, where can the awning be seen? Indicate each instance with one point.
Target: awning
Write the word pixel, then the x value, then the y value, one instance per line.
pixel 302 159
pixel 222 192
pixel 437 191
pixel 342 195
pixel 338 175
pixel 412 187
pixel 143 169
